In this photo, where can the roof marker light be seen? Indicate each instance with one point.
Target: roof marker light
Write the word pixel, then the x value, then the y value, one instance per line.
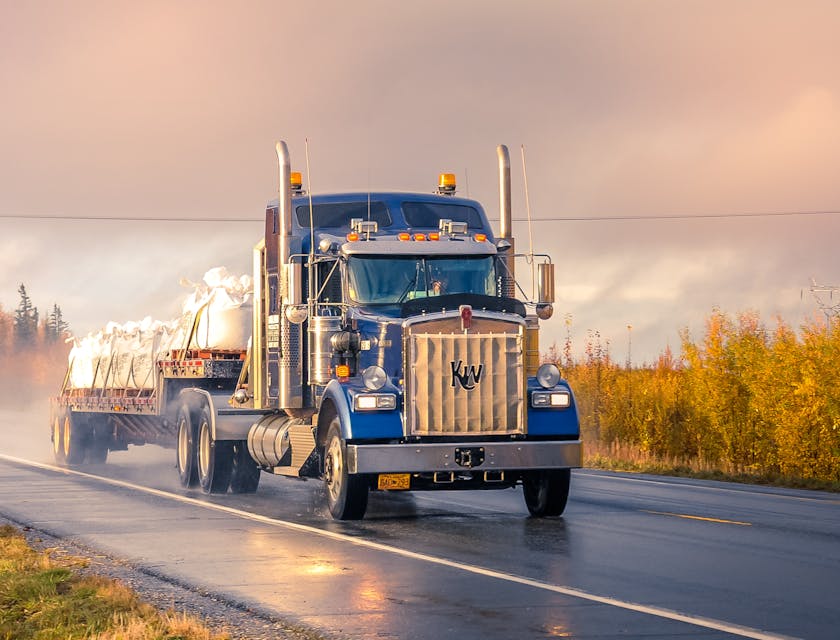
pixel 419 237
pixel 434 235
pixel 352 236
pixel 404 236
pixel 296 182
pixel 446 184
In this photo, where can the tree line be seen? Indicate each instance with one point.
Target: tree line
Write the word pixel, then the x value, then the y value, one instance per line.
pixel 743 398
pixel 33 353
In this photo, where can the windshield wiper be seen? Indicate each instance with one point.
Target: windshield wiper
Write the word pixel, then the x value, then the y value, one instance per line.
pixel 412 286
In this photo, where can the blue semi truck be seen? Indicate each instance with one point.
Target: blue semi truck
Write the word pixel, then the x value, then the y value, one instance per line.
pixel 389 352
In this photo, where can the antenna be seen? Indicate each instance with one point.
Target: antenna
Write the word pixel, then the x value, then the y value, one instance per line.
pixel 311 227
pixel 530 227
pixel 368 190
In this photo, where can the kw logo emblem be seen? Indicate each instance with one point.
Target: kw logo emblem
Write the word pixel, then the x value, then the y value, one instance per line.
pixel 466 376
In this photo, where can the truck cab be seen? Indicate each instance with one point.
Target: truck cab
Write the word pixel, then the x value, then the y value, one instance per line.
pixel 390 352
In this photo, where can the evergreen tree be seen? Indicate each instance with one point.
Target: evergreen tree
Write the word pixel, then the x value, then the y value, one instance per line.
pixel 56 326
pixel 26 320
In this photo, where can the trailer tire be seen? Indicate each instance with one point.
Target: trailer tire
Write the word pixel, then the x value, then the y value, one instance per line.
pixel 215 458
pixel 546 491
pixel 73 438
pixel 57 438
pixel 97 449
pixel 244 474
pixel 185 449
pixel 347 494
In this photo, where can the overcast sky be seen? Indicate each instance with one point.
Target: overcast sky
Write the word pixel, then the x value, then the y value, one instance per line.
pixel 640 109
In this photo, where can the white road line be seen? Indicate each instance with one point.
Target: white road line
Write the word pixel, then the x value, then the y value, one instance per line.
pixel 746 488
pixel 698 621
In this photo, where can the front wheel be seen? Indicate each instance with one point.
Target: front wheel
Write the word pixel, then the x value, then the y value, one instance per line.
pixel 347 494
pixel 546 492
pixel 214 458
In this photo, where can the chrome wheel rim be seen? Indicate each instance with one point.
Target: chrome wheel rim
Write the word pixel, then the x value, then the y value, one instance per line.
pixel 183 446
pixel 204 449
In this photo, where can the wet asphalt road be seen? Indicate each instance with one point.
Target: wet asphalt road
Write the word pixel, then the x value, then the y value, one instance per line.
pixel 762 562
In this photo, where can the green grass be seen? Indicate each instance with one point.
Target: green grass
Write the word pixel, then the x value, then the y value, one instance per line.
pixel 631 460
pixel 43 598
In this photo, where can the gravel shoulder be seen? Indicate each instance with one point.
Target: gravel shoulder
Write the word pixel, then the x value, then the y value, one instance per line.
pixel 239 620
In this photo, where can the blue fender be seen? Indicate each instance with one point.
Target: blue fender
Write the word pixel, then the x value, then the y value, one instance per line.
pixel 340 397
pixel 361 425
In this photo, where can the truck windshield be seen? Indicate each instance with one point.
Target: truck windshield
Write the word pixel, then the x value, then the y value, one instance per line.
pixel 381 280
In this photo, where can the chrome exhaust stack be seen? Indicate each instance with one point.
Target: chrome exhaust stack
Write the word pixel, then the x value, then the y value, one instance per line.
pixel 505 243
pixel 289 364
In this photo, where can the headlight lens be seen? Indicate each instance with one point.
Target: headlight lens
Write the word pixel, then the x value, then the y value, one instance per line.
pixel 548 375
pixel 374 402
pixel 551 399
pixel 374 377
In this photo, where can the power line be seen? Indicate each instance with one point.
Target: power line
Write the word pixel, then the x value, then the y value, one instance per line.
pixel 684 216
pixel 596 218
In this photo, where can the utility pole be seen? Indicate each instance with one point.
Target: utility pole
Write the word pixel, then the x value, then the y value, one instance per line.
pixel 828 304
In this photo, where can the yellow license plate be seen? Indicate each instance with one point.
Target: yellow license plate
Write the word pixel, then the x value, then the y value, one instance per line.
pixel 392 481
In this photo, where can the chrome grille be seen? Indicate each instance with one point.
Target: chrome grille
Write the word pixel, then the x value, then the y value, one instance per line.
pixel 464 384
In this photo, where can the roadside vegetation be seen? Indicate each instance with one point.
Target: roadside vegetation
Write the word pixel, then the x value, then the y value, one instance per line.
pixel 42 597
pixel 33 352
pixel 744 402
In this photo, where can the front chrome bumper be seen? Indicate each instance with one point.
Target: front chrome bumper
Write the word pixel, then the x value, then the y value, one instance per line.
pixel 502 456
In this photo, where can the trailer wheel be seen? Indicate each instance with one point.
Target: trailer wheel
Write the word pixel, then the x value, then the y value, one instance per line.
pixel 186 449
pixel 215 458
pixel 546 491
pixel 347 495
pixel 73 438
pixel 245 474
pixel 58 438
pixel 97 449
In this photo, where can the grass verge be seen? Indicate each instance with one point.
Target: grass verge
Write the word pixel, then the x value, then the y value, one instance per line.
pixel 629 459
pixel 43 598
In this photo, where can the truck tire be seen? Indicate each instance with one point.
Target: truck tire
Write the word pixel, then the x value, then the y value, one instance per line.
pixel 547 491
pixel 185 449
pixel 57 437
pixel 97 449
pixel 74 438
pixel 215 457
pixel 244 474
pixel 347 495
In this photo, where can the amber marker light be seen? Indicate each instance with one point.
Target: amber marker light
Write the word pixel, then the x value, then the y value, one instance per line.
pixel 296 180
pixel 404 237
pixel 342 371
pixel 352 236
pixel 480 237
pixel 434 235
pixel 419 237
pixel 446 183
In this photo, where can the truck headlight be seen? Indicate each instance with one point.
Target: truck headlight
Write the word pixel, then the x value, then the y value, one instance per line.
pixel 374 377
pixel 551 399
pixel 374 402
pixel 548 375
